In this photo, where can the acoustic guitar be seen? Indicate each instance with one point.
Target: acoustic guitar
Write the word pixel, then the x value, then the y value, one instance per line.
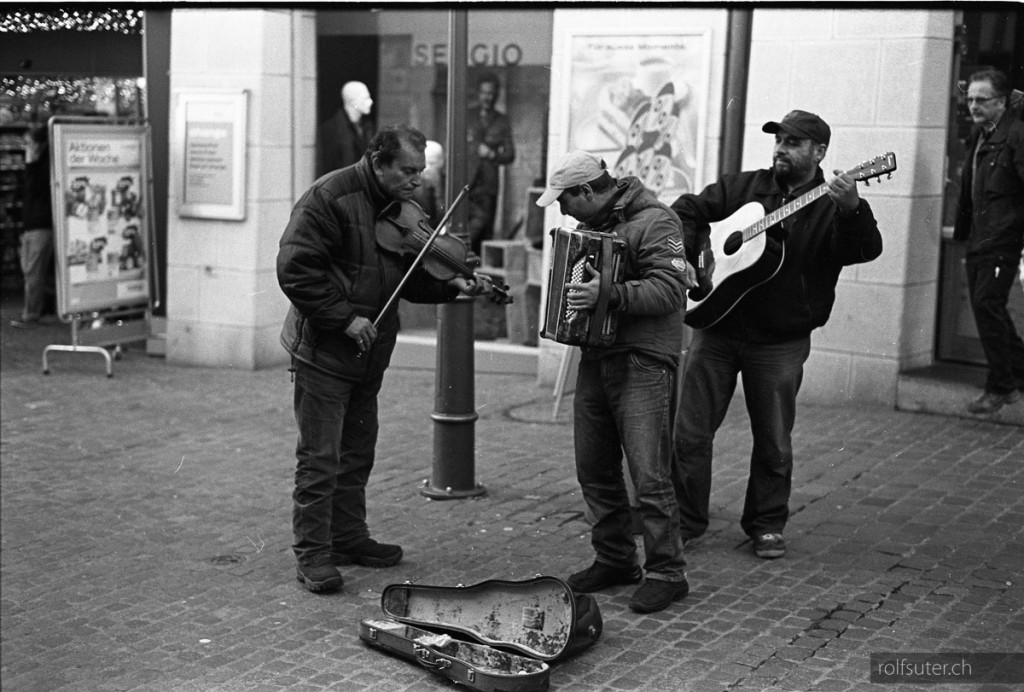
pixel 738 259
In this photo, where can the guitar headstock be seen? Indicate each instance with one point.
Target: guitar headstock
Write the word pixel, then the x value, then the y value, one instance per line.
pixel 881 165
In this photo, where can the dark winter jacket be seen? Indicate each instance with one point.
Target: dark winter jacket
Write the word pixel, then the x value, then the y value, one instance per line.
pixel 651 299
pixel 494 129
pixel 340 143
pixel 819 242
pixel 332 269
pixel 992 219
pixel 37 205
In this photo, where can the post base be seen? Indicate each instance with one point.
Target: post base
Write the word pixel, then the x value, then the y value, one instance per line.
pixel 450 493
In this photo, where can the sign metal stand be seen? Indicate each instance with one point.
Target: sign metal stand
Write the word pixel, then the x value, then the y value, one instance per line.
pixel 102 187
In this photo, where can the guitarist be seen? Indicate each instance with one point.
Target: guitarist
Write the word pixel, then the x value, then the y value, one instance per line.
pixel 766 335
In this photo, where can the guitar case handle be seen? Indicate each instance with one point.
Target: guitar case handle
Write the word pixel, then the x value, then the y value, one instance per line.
pixel 428 658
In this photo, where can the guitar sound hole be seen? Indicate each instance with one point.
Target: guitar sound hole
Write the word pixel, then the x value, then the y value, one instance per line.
pixel 733 243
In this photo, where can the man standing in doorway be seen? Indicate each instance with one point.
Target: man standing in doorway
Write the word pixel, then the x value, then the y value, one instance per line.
pixel 344 138
pixel 489 136
pixel 991 222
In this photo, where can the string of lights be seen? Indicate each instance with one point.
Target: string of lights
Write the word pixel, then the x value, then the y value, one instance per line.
pixel 107 19
pixel 26 98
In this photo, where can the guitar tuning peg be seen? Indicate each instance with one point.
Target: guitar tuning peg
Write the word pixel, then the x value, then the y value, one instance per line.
pixel 889 177
pixel 867 182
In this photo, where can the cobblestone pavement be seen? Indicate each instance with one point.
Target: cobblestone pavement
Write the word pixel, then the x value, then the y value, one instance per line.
pixel 146 533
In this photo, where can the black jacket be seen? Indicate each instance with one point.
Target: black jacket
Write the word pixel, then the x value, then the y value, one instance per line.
pixel 37 205
pixel 340 143
pixel 995 225
pixel 332 269
pixel 818 244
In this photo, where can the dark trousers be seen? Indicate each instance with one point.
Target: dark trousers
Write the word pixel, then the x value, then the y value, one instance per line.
pixel 337 439
pixel 989 279
pixel 772 374
pixel 622 405
pixel 483 204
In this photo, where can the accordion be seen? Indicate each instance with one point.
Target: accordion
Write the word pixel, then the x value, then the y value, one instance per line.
pixel 571 251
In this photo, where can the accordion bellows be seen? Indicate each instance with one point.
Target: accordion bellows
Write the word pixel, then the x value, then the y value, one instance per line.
pixel 571 250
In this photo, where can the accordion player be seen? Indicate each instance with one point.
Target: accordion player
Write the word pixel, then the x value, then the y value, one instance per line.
pixel 571 251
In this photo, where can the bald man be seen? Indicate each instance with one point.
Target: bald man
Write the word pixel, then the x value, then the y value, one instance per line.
pixel 430 193
pixel 343 139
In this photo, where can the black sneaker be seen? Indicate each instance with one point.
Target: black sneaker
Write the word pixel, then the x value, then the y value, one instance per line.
pixel 769 546
pixel 657 594
pixel 319 578
pixel 369 553
pixel 600 576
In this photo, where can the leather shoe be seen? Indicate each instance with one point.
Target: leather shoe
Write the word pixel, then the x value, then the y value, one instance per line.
pixel 656 594
pixel 769 546
pixel 369 553
pixel 600 576
pixel 319 578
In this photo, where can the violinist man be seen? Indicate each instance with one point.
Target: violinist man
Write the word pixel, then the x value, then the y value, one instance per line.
pixel 338 277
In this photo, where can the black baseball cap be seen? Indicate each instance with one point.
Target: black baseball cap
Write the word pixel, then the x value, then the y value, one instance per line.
pixel 801 124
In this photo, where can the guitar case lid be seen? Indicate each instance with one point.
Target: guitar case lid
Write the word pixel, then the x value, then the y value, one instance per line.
pixel 542 617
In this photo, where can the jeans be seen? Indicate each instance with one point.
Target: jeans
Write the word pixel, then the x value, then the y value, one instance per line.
pixel 337 422
pixel 989 280
pixel 772 374
pixel 622 405
pixel 36 255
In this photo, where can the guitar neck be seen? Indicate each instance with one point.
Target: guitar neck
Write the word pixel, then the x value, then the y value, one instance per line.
pixel 782 212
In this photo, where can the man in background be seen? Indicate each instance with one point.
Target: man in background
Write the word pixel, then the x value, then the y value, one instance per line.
pixel 36 253
pixel 991 223
pixel 344 138
pixel 489 136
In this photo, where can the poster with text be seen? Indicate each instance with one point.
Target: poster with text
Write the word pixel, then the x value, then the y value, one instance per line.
pixel 639 101
pixel 100 200
pixel 209 154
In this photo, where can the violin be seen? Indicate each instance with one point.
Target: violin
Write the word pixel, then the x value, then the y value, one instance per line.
pixel 403 228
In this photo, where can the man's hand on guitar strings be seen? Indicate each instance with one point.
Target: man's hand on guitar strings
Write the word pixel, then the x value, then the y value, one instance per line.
pixel 843 191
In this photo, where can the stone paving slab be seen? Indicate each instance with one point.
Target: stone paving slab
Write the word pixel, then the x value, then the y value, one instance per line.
pixel 146 539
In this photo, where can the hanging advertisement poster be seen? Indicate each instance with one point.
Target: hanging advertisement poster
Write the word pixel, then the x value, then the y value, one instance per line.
pixel 639 101
pixel 208 154
pixel 101 191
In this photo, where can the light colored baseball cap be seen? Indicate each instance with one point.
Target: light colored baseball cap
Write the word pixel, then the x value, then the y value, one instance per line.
pixel 575 168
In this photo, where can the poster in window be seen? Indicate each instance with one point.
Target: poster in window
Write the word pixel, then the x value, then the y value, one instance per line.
pixel 638 100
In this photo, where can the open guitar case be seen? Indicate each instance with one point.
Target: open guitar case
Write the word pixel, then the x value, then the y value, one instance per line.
pixel 495 636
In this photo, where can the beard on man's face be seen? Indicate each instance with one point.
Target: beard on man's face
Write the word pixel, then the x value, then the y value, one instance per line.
pixel 786 171
pixel 783 172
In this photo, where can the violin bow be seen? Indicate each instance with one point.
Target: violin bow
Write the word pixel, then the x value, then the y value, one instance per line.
pixel 426 248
